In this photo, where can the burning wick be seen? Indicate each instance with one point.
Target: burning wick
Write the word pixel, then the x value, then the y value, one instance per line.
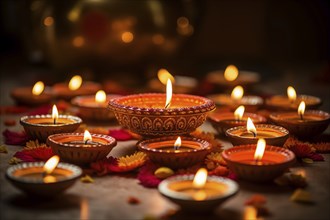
pixel 177 143
pixel 250 127
pixel 301 110
pixel 54 113
pixel 49 167
pixel 259 150
pixel 168 93
pixel 87 136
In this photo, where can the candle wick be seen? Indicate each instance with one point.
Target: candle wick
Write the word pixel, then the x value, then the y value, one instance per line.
pixel 167 105
pixel 254 134
pixel 86 141
pixel 54 121
pixel 301 117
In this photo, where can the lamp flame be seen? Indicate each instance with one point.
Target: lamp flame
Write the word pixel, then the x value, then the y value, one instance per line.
pixel 231 73
pixel 164 75
pixel 75 82
pixel 200 178
pixel 54 114
pixel 38 88
pixel 301 109
pixel 177 143
pixel 100 97
pixel 168 93
pixel 239 112
pixel 87 136
pixel 250 127
pixel 237 93
pixel 260 149
pixel 250 213
pixel 292 95
pixel 51 164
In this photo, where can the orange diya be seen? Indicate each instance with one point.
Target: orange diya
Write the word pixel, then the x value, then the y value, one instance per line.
pixel 81 148
pixel 156 114
pixel 249 134
pixel 291 101
pixel 75 87
pixel 198 193
pixel 41 126
pixel 237 98
pixel 36 95
pixel 43 179
pixel 258 163
pixel 175 152
pixel 222 121
pixel 304 124
pixel 94 107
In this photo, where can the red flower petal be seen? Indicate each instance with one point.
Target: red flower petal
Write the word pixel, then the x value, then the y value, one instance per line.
pixel 15 138
pixel 316 157
pixel 146 175
pixel 35 154
pixel 105 166
pixel 120 134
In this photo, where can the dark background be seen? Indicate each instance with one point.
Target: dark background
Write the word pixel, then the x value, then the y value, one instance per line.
pixel 287 42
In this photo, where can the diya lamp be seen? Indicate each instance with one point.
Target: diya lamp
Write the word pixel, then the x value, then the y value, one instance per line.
pixel 198 193
pixel 81 148
pixel 304 124
pixel 231 77
pixel 156 114
pixel 291 101
pixel 75 87
pixel 258 163
pixel 249 134
pixel 94 107
pixel 231 102
pixel 181 84
pixel 41 126
pixel 43 179
pixel 175 152
pixel 37 95
pixel 222 121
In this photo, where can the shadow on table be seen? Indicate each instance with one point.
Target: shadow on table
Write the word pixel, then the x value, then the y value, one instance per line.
pixel 220 213
pixel 65 201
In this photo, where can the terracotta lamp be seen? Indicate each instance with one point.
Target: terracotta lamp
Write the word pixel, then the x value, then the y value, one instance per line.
pixel 222 121
pixel 94 107
pixel 175 152
pixel 43 179
pixel 249 134
pixel 76 87
pixel 291 101
pixel 198 193
pixel 156 114
pixel 304 124
pixel 41 126
pixel 81 148
pixel 231 102
pixel 32 96
pixel 258 163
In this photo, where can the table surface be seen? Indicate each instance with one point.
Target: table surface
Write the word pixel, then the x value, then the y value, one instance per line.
pixel 107 197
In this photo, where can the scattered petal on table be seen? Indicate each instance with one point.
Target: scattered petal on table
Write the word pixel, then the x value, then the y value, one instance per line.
pixel 15 138
pixel 3 149
pixel 120 134
pixel 146 175
pixel 36 154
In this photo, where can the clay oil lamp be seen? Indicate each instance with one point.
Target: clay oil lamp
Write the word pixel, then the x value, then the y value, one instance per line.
pixel 258 162
pixel 175 152
pixel 231 77
pixel 291 101
pixel 304 124
pixel 41 126
pixel 43 179
pixel 81 148
pixel 181 84
pixel 75 87
pixel 231 102
pixel 249 134
pixel 94 107
pixel 198 193
pixel 37 95
pixel 157 114
pixel 222 121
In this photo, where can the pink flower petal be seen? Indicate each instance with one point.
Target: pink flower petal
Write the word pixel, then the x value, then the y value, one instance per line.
pixel 120 134
pixel 316 157
pixel 146 175
pixel 35 154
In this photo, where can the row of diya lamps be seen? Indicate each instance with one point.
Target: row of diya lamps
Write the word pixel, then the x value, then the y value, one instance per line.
pixel 160 119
